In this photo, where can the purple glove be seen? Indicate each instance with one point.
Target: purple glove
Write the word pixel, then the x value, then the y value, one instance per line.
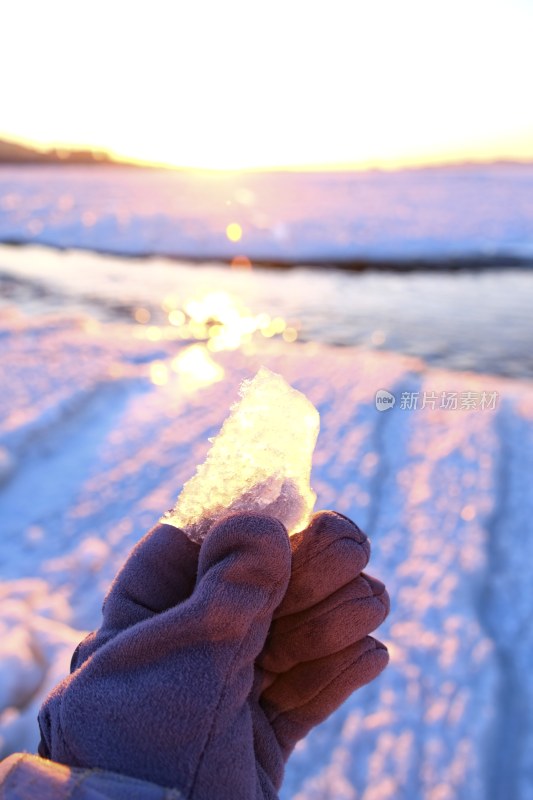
pixel 182 687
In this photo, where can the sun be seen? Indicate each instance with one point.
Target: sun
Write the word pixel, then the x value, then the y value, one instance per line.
pixel 222 87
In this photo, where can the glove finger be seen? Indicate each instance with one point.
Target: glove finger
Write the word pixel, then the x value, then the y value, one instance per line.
pixel 327 555
pixel 180 681
pixel 213 640
pixel 343 618
pixel 243 572
pixel 305 696
pixel 159 573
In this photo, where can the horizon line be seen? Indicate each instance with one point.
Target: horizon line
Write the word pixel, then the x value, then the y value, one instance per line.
pixel 111 157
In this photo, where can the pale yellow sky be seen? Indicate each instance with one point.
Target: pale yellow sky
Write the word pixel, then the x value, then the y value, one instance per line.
pixel 239 83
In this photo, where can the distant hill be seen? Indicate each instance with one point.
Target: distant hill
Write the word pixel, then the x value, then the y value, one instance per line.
pixel 13 153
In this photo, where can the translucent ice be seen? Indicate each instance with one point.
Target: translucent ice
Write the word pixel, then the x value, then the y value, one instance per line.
pixel 260 460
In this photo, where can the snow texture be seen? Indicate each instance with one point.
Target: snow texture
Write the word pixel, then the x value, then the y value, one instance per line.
pixel 92 452
pixel 259 462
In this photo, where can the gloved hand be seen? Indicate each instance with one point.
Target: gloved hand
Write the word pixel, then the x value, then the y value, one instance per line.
pixel 190 683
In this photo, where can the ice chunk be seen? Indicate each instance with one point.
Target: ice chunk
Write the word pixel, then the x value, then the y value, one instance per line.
pixel 260 461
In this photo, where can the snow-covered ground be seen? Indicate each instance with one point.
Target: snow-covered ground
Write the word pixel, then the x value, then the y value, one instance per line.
pixel 469 212
pixel 102 420
pixel 115 372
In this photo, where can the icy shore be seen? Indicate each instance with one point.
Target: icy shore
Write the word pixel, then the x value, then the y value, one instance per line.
pixel 100 427
pixel 470 321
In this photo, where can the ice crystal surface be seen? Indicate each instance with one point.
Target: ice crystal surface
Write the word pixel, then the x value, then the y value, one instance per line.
pixel 260 460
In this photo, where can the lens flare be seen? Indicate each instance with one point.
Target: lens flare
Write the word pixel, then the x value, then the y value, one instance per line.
pixel 234 232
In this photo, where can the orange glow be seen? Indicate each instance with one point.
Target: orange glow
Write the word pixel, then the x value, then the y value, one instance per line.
pixel 241 262
pixel 142 315
pixel 234 232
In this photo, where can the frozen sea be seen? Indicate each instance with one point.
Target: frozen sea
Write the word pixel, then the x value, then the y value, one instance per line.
pixel 440 215
pixel 115 372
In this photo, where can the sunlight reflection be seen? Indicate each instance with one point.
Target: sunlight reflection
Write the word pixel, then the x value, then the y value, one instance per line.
pixel 234 232
pixel 290 334
pixel 217 318
pixel 158 373
pixel 170 302
pixel 154 334
pixel 196 368
pixel 176 317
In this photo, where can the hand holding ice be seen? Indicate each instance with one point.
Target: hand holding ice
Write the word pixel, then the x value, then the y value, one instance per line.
pixel 260 461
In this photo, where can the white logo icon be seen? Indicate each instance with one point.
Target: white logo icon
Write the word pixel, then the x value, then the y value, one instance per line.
pixel 384 400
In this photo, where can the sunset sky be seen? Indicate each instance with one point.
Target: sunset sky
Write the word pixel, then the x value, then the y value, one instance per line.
pixel 239 84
